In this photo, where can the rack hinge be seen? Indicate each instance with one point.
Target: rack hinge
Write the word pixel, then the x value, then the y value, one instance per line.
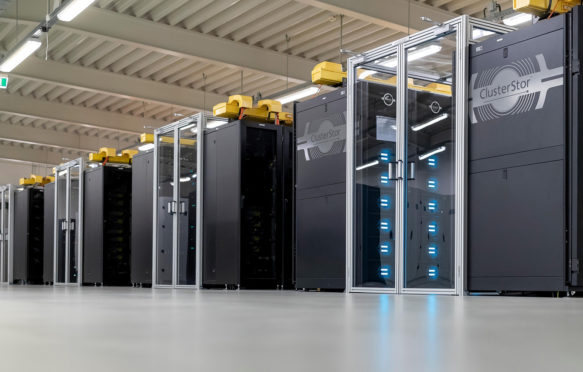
pixel 575 66
pixel 574 265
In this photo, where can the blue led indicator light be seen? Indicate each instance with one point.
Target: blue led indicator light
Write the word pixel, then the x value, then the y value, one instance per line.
pixel 432 251
pixel 432 272
pixel 385 202
pixel 385 271
pixel 385 178
pixel 432 184
pixel 432 206
pixel 385 225
pixel 432 228
pixel 385 248
pixel 385 156
pixel 432 162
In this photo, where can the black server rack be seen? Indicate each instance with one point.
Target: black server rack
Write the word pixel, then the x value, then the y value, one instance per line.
pixel 142 199
pixel 248 196
pixel 525 163
pixel 28 236
pixel 320 180
pixel 107 209
pixel 49 233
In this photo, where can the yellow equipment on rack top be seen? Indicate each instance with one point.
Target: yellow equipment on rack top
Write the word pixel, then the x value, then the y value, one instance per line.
pixel 36 180
pixel 543 7
pixel 266 111
pixel 328 73
pixel 109 155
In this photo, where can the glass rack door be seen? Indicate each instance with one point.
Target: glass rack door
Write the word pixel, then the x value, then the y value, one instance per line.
pixel 4 226
pixel 165 210
pixel 187 205
pixel 375 167
pixel 176 251
pixel 74 225
pixel 60 257
pixel 68 236
pixel 429 250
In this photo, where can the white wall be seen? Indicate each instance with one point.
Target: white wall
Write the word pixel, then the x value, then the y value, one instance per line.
pixel 11 172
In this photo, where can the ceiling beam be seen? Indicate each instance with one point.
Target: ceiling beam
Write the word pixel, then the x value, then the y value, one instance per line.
pixel 35 155
pixel 174 41
pixel 117 85
pixel 394 14
pixel 34 143
pixel 58 139
pixel 70 114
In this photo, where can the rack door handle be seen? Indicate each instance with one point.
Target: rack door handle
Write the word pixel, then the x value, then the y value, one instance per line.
pixel 411 171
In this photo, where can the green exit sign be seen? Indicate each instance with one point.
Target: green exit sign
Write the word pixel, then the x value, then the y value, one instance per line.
pixel 3 82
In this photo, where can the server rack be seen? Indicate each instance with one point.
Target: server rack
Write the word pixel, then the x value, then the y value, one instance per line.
pixel 393 211
pixel 141 241
pixel 248 206
pixel 106 239
pixel 6 232
pixel 28 235
pixel 320 181
pixel 49 233
pixel 525 161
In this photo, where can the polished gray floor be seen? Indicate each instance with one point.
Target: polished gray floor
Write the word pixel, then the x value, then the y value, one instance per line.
pixel 97 329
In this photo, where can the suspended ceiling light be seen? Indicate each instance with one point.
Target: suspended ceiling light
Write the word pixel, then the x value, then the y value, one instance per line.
pixel 517 19
pixel 367 165
pixel 146 147
pixel 417 127
pixel 73 9
pixel 432 152
pixel 414 55
pixel 297 95
pixel 16 57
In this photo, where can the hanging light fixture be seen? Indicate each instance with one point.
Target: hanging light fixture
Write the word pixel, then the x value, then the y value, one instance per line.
pixel 73 9
pixel 15 58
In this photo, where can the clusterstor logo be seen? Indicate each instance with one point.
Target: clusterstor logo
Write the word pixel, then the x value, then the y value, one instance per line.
pixel 512 89
pixel 322 138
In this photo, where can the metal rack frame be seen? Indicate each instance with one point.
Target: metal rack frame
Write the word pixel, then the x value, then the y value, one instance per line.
pixel 462 26
pixel 201 120
pixel 6 236
pixel 80 162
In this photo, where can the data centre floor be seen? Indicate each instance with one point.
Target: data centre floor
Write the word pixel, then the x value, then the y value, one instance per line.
pixel 123 329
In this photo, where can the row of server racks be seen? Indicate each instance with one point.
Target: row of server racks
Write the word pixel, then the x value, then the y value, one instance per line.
pixel 275 197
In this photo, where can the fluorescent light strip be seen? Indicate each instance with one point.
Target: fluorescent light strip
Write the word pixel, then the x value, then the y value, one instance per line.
pixel 298 95
pixel 432 152
pixel 15 58
pixel 368 165
pixel 73 9
pixel 418 127
pixel 414 55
